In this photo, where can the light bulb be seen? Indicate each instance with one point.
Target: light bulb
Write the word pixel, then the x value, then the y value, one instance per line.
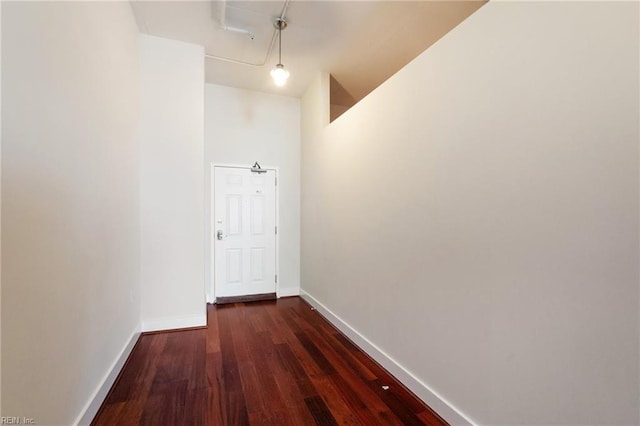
pixel 279 75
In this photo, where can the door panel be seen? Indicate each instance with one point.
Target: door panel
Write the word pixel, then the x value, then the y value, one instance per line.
pixel 234 214
pixel 244 232
pixel 257 215
pixel 234 266
pixel 257 264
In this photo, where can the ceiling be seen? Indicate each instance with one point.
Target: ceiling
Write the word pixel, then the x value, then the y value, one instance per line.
pixel 361 43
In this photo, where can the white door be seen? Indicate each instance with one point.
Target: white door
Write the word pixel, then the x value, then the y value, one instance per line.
pixel 244 232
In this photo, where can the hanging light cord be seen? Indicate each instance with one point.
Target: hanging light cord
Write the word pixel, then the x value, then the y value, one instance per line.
pixel 280 41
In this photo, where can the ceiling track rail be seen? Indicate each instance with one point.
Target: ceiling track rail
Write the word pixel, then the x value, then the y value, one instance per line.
pixel 269 50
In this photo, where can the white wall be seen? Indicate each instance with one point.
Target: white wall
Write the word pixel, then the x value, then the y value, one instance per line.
pixel 0 210
pixel 70 218
pixel 476 216
pixel 242 127
pixel 171 184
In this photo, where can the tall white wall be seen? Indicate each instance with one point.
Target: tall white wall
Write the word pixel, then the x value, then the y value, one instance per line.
pixel 70 203
pixel 242 127
pixel 0 209
pixel 171 184
pixel 476 216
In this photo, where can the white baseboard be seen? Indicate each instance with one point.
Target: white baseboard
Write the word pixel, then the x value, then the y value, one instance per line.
pixel 288 291
pixel 174 323
pixel 440 405
pixel 93 405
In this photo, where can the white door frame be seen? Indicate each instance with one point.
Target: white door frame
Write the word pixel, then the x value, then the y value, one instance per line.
pixel 212 239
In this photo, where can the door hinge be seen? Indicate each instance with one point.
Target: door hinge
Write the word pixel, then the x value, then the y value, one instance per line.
pixel 276 277
pixel 276 230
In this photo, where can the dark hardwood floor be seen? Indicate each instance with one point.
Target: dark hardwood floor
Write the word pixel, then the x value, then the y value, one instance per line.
pixel 270 362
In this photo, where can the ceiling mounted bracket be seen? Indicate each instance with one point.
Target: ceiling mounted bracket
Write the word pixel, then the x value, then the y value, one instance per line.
pixel 280 23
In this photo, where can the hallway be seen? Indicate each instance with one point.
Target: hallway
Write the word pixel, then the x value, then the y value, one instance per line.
pixel 273 362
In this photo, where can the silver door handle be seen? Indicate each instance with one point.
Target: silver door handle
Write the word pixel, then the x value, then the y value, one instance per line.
pixel 219 235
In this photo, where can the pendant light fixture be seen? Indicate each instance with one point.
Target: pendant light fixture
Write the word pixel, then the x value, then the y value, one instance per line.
pixel 279 74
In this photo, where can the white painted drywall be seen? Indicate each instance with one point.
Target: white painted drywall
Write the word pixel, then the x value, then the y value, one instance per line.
pixel 476 216
pixel 241 127
pixel 171 184
pixel 70 218
pixel 0 208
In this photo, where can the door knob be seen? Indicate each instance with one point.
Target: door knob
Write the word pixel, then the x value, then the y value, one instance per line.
pixel 219 235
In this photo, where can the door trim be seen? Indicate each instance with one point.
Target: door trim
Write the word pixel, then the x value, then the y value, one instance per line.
pixel 212 259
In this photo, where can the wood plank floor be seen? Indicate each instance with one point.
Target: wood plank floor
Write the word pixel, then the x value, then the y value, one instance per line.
pixel 271 362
